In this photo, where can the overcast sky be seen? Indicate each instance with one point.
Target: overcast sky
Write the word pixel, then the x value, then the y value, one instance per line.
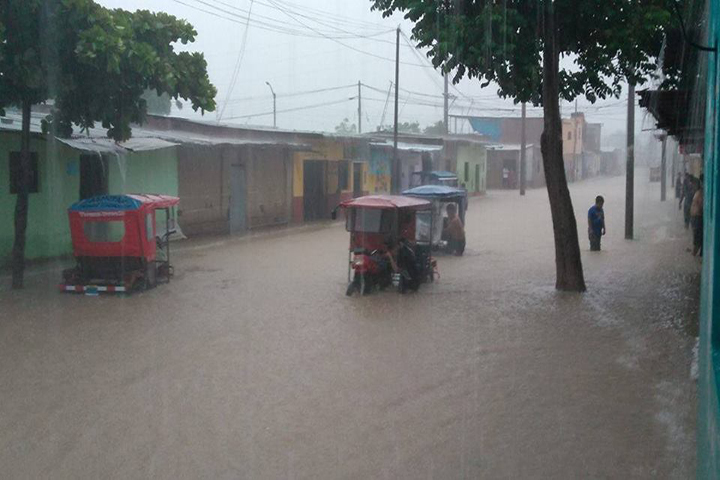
pixel 307 45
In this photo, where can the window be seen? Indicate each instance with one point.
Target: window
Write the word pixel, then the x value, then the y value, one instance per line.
pixel 343 176
pixel 467 171
pixel 569 135
pixel 423 230
pixel 112 231
pixel 369 220
pixel 14 167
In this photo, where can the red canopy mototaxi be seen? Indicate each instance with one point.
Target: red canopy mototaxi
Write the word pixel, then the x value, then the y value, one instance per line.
pixel 116 242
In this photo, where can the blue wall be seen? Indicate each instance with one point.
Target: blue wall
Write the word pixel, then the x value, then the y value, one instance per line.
pixel 708 394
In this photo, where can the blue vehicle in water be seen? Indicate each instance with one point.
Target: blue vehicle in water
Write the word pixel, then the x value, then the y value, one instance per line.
pixel 440 196
pixel 435 177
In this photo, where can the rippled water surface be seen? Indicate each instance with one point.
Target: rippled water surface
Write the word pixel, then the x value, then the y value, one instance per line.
pixel 252 363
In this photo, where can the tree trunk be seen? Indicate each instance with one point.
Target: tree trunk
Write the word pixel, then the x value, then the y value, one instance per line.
pixel 21 204
pixel 568 263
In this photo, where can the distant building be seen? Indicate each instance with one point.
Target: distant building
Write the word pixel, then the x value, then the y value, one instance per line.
pixel 503 166
pixel 504 135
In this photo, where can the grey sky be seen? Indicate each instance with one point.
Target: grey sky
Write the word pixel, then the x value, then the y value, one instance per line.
pixel 309 60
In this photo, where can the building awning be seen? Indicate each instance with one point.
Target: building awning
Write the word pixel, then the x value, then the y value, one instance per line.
pixel 674 113
pixel 107 145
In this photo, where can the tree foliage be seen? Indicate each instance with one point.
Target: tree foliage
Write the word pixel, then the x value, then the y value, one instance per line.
pixel 346 128
pixel 539 51
pixel 96 63
pixel 602 43
pixel 437 128
pixel 403 127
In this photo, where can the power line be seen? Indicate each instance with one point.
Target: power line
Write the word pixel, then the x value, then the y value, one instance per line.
pixel 295 94
pixel 236 72
pixel 341 19
pixel 279 27
pixel 306 107
pixel 338 41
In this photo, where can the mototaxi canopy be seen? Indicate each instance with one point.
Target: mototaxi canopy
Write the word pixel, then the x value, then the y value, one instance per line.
pixel 435 191
pixel 117 225
pixel 387 202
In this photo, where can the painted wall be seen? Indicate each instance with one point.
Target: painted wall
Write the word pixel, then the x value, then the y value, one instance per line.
pixel 48 233
pixel 475 156
pixel 204 188
pixel 380 171
pixel 709 355
pixel 496 161
pixel 152 171
pixel 269 192
pixel 329 149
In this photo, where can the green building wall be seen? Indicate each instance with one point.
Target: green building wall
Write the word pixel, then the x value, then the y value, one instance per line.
pixel 709 355
pixel 153 171
pixel 48 233
pixel 475 156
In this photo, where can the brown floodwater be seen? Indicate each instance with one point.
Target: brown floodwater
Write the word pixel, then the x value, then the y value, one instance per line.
pixel 252 363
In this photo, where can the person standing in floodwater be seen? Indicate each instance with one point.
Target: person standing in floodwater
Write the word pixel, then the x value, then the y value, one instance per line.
pixel 596 223
pixel 454 231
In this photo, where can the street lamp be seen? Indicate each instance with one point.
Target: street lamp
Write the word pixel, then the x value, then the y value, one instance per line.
pixel 274 104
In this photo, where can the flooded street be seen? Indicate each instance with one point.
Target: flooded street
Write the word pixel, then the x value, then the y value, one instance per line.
pixel 252 362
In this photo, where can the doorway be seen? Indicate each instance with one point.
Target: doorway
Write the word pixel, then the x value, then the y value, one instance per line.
pixel 93 176
pixel 357 180
pixel 314 201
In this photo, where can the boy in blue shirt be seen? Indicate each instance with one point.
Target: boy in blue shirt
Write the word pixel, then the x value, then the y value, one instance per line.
pixel 596 223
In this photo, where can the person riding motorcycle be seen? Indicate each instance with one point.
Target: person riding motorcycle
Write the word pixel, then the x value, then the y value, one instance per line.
pixel 403 261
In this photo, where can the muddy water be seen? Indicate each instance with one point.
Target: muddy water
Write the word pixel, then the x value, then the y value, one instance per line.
pixel 252 363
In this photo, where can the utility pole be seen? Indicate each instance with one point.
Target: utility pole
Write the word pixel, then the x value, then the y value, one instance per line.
pixel 630 165
pixel 446 106
pixel 274 105
pixel 575 160
pixel 359 107
pixel 663 167
pixel 396 160
pixel 523 141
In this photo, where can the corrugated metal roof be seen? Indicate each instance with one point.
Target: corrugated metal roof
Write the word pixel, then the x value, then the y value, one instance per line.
pixel 409 147
pixel 507 146
pixel 179 136
pixel 107 145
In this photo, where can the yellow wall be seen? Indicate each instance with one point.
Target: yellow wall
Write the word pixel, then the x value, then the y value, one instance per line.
pixel 569 127
pixel 327 149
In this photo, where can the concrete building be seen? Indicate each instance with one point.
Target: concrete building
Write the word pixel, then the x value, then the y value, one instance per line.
pixel 581 147
pixel 68 170
pixel 503 166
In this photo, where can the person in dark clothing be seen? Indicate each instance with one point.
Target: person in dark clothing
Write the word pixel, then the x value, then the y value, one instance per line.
pixel 596 223
pixel 688 192
pixel 678 185
pixel 403 261
pixel 696 218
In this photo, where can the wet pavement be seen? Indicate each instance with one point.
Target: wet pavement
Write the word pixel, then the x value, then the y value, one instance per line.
pixel 253 363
